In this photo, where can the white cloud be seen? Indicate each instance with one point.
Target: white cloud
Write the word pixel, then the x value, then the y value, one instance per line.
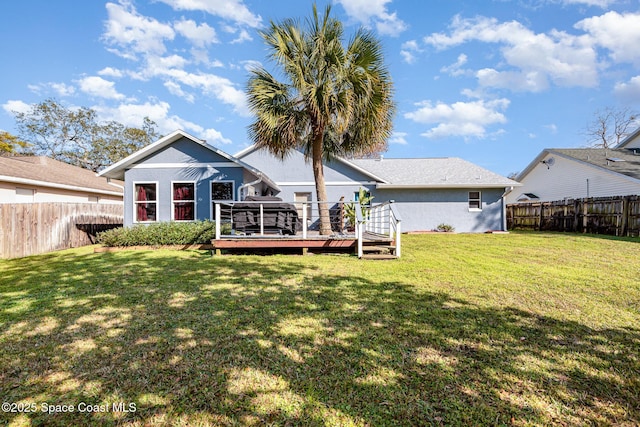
pixel 408 50
pixel 60 89
pixel 466 119
pixel 208 84
pixel 456 69
pixel 158 65
pixel 233 10
pixel 158 111
pixel 243 36
pixel 374 12
pixel 14 106
pixel 399 138
pixel 200 35
pixel 176 89
pixel 214 137
pixel 63 89
pixel 529 81
pixel 110 72
pixel 619 33
pixel 127 29
pixel 97 86
pixel 599 3
pixel 251 64
pixel 629 91
pixel 564 59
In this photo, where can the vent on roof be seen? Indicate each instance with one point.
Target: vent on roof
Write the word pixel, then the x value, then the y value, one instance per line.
pixel 527 196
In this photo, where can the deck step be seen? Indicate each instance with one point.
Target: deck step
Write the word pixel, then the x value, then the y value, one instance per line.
pixel 379 256
pixel 378 248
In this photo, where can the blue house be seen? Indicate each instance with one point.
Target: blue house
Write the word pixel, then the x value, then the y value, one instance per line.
pixel 180 178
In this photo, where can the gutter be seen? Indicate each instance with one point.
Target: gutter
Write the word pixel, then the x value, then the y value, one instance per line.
pixel 439 186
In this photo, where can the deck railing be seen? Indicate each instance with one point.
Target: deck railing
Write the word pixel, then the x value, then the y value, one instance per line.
pixel 384 219
pixel 380 219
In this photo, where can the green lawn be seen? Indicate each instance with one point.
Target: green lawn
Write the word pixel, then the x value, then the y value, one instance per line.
pixel 517 329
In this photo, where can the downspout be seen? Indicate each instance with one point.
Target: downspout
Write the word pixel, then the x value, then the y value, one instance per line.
pixel 243 186
pixel 507 190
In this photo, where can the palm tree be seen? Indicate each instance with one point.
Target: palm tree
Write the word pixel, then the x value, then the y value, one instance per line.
pixel 335 100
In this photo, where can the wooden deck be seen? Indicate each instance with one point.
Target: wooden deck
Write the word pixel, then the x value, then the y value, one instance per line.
pixel 376 245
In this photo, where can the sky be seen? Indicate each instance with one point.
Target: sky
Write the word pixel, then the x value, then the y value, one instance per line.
pixel 491 81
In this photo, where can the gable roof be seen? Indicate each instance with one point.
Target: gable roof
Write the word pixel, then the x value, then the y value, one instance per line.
pixel 254 147
pixel 46 172
pixel 445 172
pixel 629 139
pixel 117 169
pixel 618 161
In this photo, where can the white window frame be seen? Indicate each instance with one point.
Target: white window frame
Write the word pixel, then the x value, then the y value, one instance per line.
pixel 477 200
pixel 212 200
pixel 135 202
pixel 174 201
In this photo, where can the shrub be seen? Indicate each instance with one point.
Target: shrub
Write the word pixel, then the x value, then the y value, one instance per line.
pixel 445 228
pixel 161 233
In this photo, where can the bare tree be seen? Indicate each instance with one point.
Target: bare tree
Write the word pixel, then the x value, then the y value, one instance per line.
pixel 610 126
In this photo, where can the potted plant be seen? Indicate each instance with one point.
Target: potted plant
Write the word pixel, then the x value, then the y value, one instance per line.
pixel 364 198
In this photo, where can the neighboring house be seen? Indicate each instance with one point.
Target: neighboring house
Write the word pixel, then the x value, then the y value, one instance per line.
pixel 180 178
pixel 37 179
pixel 558 174
pixel 427 192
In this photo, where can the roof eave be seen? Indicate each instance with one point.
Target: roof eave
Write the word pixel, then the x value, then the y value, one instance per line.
pixel 117 169
pixel 35 182
pixel 443 186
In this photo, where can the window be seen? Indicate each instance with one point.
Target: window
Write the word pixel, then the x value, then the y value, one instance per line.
pixel 363 196
pixel 145 201
pixel 24 195
pixel 475 201
pixel 221 191
pixel 183 198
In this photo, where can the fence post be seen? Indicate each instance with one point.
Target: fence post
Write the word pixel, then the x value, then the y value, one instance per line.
pixel 541 217
pixel 624 228
pixel 585 215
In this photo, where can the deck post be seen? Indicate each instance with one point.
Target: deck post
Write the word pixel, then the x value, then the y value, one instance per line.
pixel 304 220
pixel 217 219
pixel 360 224
pixel 261 219
pixel 398 242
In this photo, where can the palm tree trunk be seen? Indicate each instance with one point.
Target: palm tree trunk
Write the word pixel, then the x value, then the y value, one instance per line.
pixel 321 189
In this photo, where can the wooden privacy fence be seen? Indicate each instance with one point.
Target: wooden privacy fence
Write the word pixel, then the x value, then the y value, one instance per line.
pixel 35 228
pixel 617 216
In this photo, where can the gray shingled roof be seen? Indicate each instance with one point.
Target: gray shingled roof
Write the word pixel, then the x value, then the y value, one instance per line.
pixel 49 172
pixel 433 172
pixel 628 164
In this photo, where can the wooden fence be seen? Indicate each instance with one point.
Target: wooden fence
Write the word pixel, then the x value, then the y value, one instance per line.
pixel 617 216
pixel 35 228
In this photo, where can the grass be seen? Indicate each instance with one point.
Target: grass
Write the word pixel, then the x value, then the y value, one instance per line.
pixel 519 329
